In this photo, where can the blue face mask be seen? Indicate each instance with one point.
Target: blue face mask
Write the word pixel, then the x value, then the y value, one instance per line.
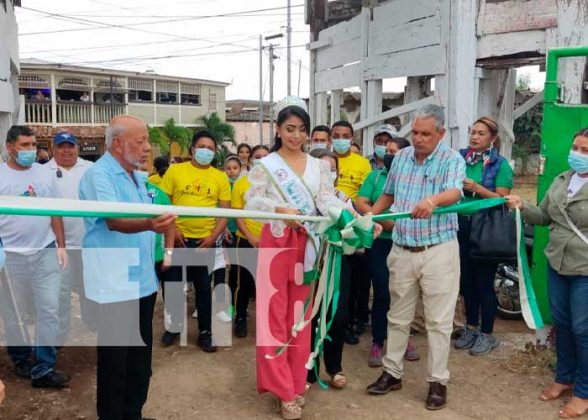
pixel 26 157
pixel 578 162
pixel 341 146
pixel 203 156
pixel 380 151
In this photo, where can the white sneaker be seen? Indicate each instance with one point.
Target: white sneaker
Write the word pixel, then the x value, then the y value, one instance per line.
pixel 222 316
pixel 195 314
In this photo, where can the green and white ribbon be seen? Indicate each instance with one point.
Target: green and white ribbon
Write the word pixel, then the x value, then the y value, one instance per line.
pixel 529 306
pixel 341 233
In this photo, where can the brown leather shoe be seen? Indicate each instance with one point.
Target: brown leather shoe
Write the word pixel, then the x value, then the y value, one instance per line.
pixel 437 398
pixel 384 384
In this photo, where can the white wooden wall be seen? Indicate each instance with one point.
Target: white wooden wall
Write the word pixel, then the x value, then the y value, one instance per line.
pixel 441 39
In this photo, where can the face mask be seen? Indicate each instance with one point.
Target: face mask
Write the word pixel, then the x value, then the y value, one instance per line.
pixel 333 176
pixel 380 151
pixel 142 175
pixel 43 161
pixel 318 146
pixel 203 156
pixel 578 162
pixel 255 161
pixel 341 146
pixel 388 161
pixel 26 157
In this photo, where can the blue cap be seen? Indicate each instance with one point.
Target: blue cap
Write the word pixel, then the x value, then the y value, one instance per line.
pixel 64 137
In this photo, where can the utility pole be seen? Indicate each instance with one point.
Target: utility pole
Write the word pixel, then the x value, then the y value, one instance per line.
pixel 271 93
pixel 289 48
pixel 261 113
pixel 272 57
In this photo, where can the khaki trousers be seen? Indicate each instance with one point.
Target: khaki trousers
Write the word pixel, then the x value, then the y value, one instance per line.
pixel 435 273
pixel 419 318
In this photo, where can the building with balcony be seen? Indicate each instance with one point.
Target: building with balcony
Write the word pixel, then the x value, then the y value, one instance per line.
pixel 82 100
pixel 9 68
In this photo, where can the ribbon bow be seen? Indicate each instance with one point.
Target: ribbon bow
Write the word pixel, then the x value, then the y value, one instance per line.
pixel 343 235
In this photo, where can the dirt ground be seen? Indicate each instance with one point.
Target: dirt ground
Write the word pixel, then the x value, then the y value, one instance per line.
pixel 188 384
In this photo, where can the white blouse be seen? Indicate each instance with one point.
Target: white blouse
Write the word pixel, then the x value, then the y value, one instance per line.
pixel 264 196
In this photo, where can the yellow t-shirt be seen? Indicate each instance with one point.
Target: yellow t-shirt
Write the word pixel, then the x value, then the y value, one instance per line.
pixel 353 170
pixel 155 179
pixel 188 185
pixel 240 188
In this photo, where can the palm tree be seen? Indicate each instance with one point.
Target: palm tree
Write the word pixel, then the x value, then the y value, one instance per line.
pixel 169 133
pixel 223 133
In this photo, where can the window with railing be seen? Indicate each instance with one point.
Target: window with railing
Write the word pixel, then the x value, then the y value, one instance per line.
pixel 140 90
pixel 111 90
pixel 73 89
pixel 35 87
pixel 190 94
pixel 167 92
pixel 212 105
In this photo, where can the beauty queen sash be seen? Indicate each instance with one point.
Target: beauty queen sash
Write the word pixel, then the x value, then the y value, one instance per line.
pixel 297 194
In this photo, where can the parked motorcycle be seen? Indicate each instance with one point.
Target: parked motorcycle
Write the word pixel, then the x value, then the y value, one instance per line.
pixel 506 283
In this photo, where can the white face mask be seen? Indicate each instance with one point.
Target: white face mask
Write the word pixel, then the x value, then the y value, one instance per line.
pixel 318 146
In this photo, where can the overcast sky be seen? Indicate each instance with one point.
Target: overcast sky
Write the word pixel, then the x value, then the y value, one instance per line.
pixel 175 37
pixel 207 39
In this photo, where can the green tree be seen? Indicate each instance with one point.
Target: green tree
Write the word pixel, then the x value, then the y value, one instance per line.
pixel 527 131
pixel 170 132
pixel 524 82
pixel 157 138
pixel 223 133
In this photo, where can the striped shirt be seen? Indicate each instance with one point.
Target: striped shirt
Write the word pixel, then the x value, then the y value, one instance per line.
pixel 410 182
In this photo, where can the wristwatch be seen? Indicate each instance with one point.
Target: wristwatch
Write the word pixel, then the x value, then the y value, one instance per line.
pixel 169 252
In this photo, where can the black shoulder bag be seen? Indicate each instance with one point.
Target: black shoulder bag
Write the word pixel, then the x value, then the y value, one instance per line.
pixel 493 236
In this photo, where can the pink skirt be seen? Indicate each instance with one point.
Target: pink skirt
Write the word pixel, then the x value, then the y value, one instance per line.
pixel 280 301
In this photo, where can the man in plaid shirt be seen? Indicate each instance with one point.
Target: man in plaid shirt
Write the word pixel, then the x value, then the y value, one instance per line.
pixel 425 255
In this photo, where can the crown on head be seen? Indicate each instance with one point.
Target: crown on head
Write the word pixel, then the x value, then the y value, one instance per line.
pixel 289 101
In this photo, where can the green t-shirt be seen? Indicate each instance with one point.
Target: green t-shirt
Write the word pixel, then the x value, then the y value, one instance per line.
pixel 372 188
pixel 158 197
pixel 504 177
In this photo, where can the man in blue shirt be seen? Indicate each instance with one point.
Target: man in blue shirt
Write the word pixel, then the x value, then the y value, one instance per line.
pixel 425 254
pixel 118 256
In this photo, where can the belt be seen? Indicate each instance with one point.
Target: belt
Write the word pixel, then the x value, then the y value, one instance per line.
pixel 417 248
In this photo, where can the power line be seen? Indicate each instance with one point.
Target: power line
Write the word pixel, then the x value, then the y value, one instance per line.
pixel 86 22
pixel 180 16
pixel 131 26
pixel 117 46
pixel 170 56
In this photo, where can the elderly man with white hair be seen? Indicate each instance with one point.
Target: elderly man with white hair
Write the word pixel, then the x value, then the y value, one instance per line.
pixel 425 253
pixel 119 271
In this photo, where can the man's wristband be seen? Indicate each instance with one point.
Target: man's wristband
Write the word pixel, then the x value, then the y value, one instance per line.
pixel 169 252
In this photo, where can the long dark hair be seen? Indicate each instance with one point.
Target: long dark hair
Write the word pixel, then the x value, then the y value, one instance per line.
pixel 284 114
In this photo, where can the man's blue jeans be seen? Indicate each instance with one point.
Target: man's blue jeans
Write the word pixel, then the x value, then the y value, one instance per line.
pixel 39 275
pixel 568 301
pixel 378 271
